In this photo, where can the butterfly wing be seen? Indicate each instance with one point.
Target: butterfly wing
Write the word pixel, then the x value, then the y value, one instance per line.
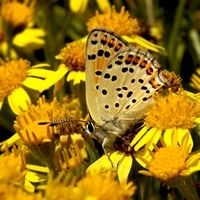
pixel 101 46
pixel 127 85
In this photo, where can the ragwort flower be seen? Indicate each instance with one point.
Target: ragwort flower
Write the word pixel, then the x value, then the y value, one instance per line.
pixel 10 191
pixel 29 39
pixel 73 58
pixel 113 20
pixel 167 115
pixel 16 74
pixel 97 185
pixel 12 167
pixel 17 13
pixel 61 147
pixel 117 161
pixel 173 162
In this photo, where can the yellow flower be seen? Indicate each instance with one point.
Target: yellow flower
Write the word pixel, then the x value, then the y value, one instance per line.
pixel 78 6
pixel 195 80
pixel 112 20
pixel 29 39
pixel 171 160
pixel 71 152
pixel 12 167
pixel 15 74
pixel 17 13
pixel 59 148
pixel 73 58
pixel 27 122
pixel 9 192
pixel 157 30
pixel 104 5
pixel 117 161
pixel 174 118
pixel 101 186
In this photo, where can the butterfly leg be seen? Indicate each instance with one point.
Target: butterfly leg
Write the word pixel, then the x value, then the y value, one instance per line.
pixel 105 145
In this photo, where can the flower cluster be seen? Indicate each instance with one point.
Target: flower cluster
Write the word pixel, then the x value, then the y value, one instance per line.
pixel 45 149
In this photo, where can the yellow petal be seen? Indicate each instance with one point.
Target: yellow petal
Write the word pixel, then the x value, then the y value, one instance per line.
pixel 1 103
pixel 192 169
pixel 176 136
pixel 167 136
pixel 78 6
pixel 144 43
pixel 185 139
pixel 102 163
pixel 18 99
pixel 34 177
pixel 104 5
pixel 155 137
pixel 80 76
pixel 84 39
pixel 71 76
pixel 34 83
pixel 41 65
pixel 120 162
pixel 152 135
pixel 37 168
pixel 10 142
pixel 42 73
pixel 54 77
pixel 143 158
pixel 124 168
pixel 28 186
pixel 193 162
pixel 30 39
pixel 139 135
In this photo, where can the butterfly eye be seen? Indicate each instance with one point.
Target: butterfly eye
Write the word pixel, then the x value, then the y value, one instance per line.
pixel 90 128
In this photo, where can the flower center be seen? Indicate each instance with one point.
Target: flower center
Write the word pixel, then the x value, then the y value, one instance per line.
pixel 172 111
pixel 73 56
pixel 113 20
pixel 12 74
pixel 167 162
pixel 17 13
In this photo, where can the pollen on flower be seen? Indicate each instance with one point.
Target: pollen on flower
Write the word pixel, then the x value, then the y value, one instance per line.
pixel 168 162
pixel 64 146
pixel 91 186
pixel 26 124
pixel 174 108
pixel 113 20
pixel 17 13
pixel 12 167
pixel 71 152
pixel 12 74
pixel 13 191
pixel 73 56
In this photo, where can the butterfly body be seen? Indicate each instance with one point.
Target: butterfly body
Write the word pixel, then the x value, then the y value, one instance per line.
pixel 120 82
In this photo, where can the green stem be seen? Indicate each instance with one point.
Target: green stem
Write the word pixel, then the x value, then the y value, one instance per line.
pixel 186 187
pixel 174 35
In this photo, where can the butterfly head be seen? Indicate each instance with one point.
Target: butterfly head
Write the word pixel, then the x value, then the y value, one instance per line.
pixel 90 129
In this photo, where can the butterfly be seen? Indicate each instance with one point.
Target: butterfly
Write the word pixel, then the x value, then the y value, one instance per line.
pixel 120 82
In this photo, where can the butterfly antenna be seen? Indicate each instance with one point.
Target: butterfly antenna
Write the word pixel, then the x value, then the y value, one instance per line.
pixel 59 121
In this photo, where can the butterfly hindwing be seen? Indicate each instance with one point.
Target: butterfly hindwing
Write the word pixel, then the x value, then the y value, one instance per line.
pixel 128 82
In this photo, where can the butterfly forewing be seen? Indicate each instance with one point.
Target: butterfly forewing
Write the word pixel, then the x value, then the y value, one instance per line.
pixel 100 48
